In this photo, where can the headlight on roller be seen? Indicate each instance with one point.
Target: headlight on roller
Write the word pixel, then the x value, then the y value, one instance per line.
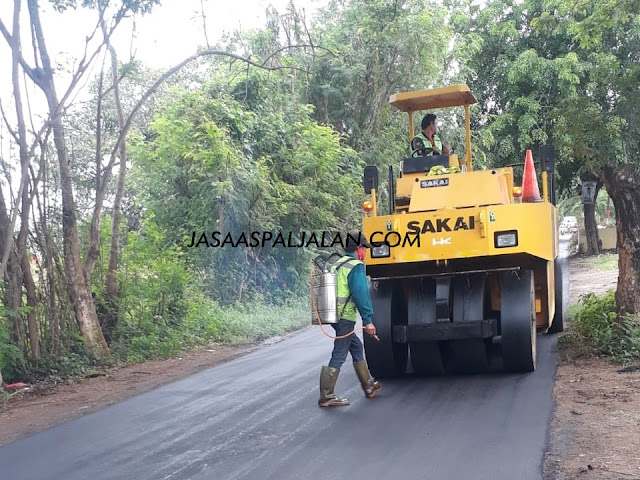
pixel 506 239
pixel 380 251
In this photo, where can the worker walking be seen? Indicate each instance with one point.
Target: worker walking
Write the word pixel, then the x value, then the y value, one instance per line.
pixel 352 297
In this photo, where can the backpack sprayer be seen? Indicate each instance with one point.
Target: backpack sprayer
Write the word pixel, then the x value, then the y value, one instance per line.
pixel 324 301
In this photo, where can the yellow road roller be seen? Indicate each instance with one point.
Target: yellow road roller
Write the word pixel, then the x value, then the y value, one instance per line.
pixel 464 270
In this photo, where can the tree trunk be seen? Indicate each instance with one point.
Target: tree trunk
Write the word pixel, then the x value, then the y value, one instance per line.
pixel 54 314
pixel 93 252
pixel 115 229
pixel 591 229
pixel 14 301
pixel 45 244
pixel 32 303
pixel 20 137
pixel 623 185
pixel 23 257
pixel 109 323
pixel 78 286
pixel 79 290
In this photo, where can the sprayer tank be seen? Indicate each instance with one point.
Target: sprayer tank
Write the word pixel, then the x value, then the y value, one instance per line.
pixel 324 293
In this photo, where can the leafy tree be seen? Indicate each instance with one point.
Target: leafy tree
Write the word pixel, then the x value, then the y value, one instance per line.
pixel 565 73
pixel 604 124
pixel 212 164
pixel 381 48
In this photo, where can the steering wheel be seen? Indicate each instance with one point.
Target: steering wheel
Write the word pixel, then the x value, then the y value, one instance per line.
pixel 426 151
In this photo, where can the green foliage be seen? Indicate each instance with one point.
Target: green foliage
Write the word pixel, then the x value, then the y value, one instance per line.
pixel 241 150
pixel 11 359
pixel 211 162
pixel 206 322
pixel 254 321
pixel 68 366
pixel 605 331
pixel 165 306
pixel 133 6
pixel 554 71
pixel 518 76
pixel 381 48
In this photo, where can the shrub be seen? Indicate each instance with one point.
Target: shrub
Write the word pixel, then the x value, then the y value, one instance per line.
pixel 605 331
pixel 12 362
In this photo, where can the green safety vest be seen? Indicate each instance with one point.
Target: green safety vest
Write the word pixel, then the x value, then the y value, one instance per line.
pixel 346 309
pixel 427 143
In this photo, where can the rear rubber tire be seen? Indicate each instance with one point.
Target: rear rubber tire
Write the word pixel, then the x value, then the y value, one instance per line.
pixel 426 357
pixel 469 305
pixel 386 358
pixel 518 321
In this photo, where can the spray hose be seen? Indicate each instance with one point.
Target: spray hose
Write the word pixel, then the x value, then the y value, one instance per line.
pixel 315 309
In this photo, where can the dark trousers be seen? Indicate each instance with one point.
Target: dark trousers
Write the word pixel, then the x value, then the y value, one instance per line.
pixel 342 346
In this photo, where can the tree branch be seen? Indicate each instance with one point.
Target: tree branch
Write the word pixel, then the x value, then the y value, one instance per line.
pixel 84 63
pixel 13 133
pixel 108 90
pixel 311 46
pixel 34 14
pixel 21 139
pixel 204 23
pixel 23 63
pixel 163 78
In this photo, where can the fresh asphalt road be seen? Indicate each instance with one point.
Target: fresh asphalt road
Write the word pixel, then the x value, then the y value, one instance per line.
pixel 256 417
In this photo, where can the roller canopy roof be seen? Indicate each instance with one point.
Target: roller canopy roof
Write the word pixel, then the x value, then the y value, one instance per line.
pixel 451 96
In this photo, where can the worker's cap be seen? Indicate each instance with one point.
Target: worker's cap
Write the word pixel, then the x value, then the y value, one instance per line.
pixel 355 240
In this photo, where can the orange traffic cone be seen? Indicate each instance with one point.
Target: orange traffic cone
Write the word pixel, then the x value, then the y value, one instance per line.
pixel 530 190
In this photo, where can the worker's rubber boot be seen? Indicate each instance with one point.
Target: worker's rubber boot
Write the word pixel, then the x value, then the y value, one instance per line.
pixel 369 384
pixel 328 379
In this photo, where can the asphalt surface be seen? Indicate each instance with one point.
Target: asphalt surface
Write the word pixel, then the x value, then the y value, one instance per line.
pixel 256 417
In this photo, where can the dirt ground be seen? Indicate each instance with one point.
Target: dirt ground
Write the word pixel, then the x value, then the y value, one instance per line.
pixel 595 433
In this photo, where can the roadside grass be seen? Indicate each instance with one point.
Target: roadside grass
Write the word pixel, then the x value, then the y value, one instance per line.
pixel 250 323
pixel 598 330
pixel 206 323
pixel 605 261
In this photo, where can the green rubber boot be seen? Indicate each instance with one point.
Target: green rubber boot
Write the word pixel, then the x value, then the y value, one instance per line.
pixel 369 384
pixel 328 379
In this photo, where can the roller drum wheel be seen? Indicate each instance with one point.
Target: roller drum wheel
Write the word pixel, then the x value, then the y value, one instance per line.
pixel 557 325
pixel 518 321
pixel 386 358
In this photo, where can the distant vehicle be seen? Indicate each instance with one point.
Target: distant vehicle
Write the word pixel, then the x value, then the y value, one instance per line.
pixel 568 225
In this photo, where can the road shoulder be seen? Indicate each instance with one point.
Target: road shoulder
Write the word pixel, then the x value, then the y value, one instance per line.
pixel 594 431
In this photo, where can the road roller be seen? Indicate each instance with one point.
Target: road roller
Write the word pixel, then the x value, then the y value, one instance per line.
pixel 464 267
